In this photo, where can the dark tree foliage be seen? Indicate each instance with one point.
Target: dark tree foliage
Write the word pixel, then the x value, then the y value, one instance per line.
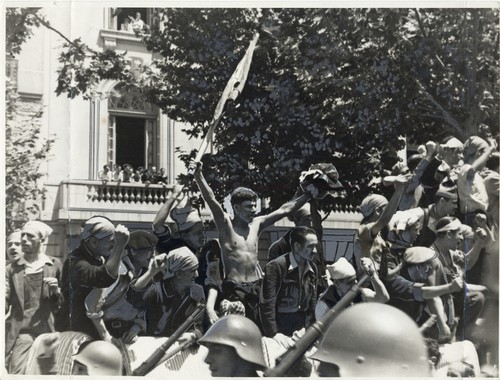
pixel 325 85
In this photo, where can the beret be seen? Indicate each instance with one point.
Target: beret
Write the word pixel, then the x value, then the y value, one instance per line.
pixel 418 255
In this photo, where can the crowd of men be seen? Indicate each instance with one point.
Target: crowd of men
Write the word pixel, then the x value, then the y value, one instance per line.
pixel 420 292
pixel 128 174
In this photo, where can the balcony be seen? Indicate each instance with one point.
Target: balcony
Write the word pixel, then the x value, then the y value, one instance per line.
pixel 121 202
pixel 120 40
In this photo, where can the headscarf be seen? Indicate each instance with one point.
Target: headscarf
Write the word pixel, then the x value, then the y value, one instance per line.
pixel 98 227
pixel 341 269
pixel 403 220
pixel 371 203
pixel 185 216
pixel 43 229
pixel 180 259
pixel 454 225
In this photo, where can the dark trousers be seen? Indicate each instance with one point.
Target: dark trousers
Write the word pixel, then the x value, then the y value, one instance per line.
pixel 290 322
pixel 468 307
pixel 247 293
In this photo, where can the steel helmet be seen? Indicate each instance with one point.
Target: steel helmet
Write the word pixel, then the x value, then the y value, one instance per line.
pixel 101 358
pixel 373 339
pixel 240 333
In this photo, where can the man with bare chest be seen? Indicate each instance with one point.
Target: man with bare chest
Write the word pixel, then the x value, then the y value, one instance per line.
pixel 239 238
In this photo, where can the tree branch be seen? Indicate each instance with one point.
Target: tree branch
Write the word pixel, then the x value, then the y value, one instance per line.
pixel 48 26
pixel 446 115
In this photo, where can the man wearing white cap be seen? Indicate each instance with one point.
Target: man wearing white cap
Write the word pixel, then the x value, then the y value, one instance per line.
pixel 32 291
pixel 94 264
pixel 343 277
pixel 414 289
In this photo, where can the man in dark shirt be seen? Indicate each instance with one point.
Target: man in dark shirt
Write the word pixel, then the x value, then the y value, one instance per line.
pixel 94 264
pixel 289 288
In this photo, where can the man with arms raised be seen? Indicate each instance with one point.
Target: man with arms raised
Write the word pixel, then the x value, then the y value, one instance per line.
pixel 239 238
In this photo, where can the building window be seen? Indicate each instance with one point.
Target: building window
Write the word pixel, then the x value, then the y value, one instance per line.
pixel 128 19
pixel 133 129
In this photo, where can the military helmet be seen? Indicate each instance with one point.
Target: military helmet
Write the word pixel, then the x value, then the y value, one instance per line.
pixel 240 333
pixel 373 339
pixel 101 358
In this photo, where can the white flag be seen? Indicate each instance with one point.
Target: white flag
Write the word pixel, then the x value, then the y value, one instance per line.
pixel 235 85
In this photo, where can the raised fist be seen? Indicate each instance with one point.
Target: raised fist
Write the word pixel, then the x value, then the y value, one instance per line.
pixel 122 235
pixel 431 147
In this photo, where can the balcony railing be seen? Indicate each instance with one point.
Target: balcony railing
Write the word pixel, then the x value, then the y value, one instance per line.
pixel 128 193
pixel 137 202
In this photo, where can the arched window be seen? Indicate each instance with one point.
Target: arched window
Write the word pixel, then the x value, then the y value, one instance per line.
pixel 132 130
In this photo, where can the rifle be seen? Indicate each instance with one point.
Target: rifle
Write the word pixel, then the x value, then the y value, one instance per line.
pixel 156 356
pixel 314 331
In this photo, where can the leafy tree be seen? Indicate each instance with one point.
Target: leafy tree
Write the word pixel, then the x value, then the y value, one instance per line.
pixel 25 149
pixel 20 23
pixel 325 85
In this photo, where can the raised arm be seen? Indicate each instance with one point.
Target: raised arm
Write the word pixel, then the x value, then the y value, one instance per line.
pixel 209 196
pixel 416 178
pixel 399 185
pixel 482 238
pixel 163 212
pixel 287 208
pixel 155 266
pixel 379 292
pixel 121 239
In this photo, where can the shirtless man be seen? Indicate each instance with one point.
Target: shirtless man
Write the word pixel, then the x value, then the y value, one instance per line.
pixel 239 239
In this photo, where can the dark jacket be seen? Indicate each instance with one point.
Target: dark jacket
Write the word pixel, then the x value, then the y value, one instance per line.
pixel 166 310
pixel 81 273
pixel 14 297
pixel 283 292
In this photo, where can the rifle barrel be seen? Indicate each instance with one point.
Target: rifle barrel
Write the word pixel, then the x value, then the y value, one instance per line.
pixel 156 356
pixel 314 331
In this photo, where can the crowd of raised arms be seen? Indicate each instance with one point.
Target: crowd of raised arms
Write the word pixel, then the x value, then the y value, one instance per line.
pixel 417 297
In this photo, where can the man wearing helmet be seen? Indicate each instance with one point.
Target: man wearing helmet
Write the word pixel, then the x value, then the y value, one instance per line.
pixel 74 353
pixel 234 347
pixel 372 339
